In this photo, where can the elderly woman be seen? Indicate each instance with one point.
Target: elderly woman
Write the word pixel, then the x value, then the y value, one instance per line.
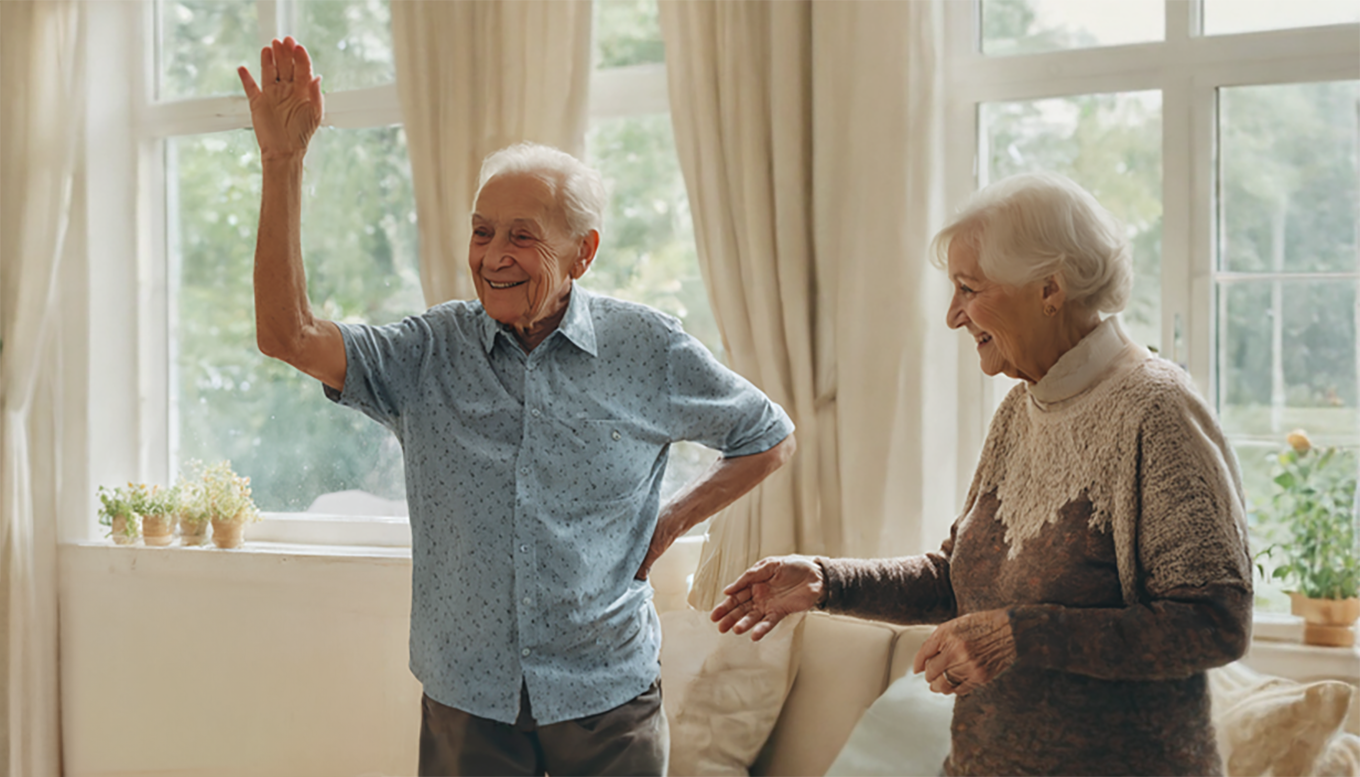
pixel 1100 564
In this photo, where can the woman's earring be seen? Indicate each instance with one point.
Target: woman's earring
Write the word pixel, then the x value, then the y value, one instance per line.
pixel 1050 311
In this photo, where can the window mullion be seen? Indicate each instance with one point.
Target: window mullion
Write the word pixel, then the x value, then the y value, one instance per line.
pixel 1199 324
pixel 270 20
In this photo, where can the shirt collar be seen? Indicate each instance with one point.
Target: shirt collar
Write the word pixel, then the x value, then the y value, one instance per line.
pixel 576 325
pixel 1086 363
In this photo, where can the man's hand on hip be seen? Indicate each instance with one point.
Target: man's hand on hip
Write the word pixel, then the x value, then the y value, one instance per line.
pixel 668 530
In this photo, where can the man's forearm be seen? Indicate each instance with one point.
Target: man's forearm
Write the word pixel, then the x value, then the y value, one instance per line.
pixel 721 485
pixel 282 312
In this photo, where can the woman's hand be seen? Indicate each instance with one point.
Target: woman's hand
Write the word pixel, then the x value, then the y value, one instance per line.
pixel 768 591
pixel 288 109
pixel 966 653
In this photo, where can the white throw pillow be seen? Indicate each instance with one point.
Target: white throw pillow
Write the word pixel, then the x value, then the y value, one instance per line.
pixel 1271 725
pixel 722 693
pixel 905 732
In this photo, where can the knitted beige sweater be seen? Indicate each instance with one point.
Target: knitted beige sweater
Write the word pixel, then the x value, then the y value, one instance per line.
pixel 1106 517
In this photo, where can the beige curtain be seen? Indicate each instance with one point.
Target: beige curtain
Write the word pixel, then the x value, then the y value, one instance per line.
pixel 41 91
pixel 807 135
pixel 475 76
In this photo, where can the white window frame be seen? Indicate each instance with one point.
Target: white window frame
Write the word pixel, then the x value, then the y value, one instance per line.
pixel 1187 68
pixel 129 347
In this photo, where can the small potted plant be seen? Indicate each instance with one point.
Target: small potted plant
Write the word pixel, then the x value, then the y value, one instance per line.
pixel 1310 521
pixel 229 504
pixel 159 507
pixel 195 512
pixel 119 509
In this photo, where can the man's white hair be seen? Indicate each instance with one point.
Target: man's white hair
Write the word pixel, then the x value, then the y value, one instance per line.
pixel 580 191
pixel 1033 225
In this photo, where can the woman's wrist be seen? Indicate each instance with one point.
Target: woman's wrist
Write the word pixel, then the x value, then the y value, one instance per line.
pixel 824 595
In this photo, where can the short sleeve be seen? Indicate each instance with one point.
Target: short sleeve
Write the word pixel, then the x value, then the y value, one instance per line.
pixel 714 406
pixel 383 367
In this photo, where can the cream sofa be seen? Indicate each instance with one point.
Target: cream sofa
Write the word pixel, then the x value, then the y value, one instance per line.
pixel 846 664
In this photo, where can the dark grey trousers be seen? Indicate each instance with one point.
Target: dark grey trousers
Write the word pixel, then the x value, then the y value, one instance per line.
pixel 631 739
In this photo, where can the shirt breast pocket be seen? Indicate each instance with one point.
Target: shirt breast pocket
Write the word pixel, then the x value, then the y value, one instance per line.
pixel 619 455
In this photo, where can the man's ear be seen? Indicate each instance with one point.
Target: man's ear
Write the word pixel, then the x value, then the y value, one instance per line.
pixel 585 253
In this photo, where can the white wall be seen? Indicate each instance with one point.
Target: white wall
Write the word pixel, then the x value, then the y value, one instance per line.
pixel 273 660
pixel 206 662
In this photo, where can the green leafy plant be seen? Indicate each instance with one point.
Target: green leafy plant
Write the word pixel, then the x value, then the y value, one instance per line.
pixel 160 501
pixel 127 502
pixel 227 495
pixel 194 504
pixel 1310 521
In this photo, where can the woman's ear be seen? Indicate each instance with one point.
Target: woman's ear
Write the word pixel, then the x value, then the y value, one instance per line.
pixel 1054 292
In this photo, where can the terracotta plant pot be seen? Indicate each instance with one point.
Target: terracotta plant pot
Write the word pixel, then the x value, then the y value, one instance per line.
pixel 193 532
pixel 158 530
pixel 228 534
pixel 1328 622
pixel 121 536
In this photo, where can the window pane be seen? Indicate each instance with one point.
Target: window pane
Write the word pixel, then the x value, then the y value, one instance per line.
pixel 647 249
pixel 1111 144
pixel 350 41
pixel 1222 17
pixel 1286 358
pixel 1036 26
pixel 229 401
pixel 1288 177
pixel 202 44
pixel 627 32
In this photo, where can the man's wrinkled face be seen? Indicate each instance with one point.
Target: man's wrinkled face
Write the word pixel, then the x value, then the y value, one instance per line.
pixel 522 255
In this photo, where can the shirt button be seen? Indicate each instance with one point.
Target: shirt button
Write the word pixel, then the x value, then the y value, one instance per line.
pixel 523 548
pixel 529 366
pixel 616 435
pixel 528 601
pixel 534 413
pixel 525 652
pixel 523 470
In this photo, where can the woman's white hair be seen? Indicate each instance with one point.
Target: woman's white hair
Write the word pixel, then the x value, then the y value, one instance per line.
pixel 580 191
pixel 1033 225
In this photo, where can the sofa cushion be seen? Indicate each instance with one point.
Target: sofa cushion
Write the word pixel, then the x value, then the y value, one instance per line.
pixel 849 666
pixel 1270 725
pixel 905 732
pixel 722 692
pixel 909 640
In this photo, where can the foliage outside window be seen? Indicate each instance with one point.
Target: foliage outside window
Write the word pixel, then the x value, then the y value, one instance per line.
pixel 227 401
pixel 1257 269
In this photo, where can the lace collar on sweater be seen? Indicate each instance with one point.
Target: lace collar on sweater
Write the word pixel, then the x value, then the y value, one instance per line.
pixel 1086 363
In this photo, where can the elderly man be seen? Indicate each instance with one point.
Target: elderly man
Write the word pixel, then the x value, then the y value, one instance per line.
pixel 535 426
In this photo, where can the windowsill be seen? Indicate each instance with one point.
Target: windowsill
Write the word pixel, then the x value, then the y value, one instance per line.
pixel 1277 648
pixel 210 553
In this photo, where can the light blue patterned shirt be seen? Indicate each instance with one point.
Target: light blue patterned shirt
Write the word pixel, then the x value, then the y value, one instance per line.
pixel 533 482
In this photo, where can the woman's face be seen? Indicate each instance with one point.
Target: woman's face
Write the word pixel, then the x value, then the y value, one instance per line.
pixel 1007 323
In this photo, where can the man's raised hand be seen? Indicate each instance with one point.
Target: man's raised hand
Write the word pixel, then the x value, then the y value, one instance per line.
pixel 288 109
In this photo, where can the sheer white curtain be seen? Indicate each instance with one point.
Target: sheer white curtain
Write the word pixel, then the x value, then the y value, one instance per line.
pixel 807 135
pixel 41 91
pixel 474 77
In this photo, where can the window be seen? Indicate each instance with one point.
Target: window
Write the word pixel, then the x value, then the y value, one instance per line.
pixel 224 399
pixel 205 391
pixel 647 251
pixel 1224 133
